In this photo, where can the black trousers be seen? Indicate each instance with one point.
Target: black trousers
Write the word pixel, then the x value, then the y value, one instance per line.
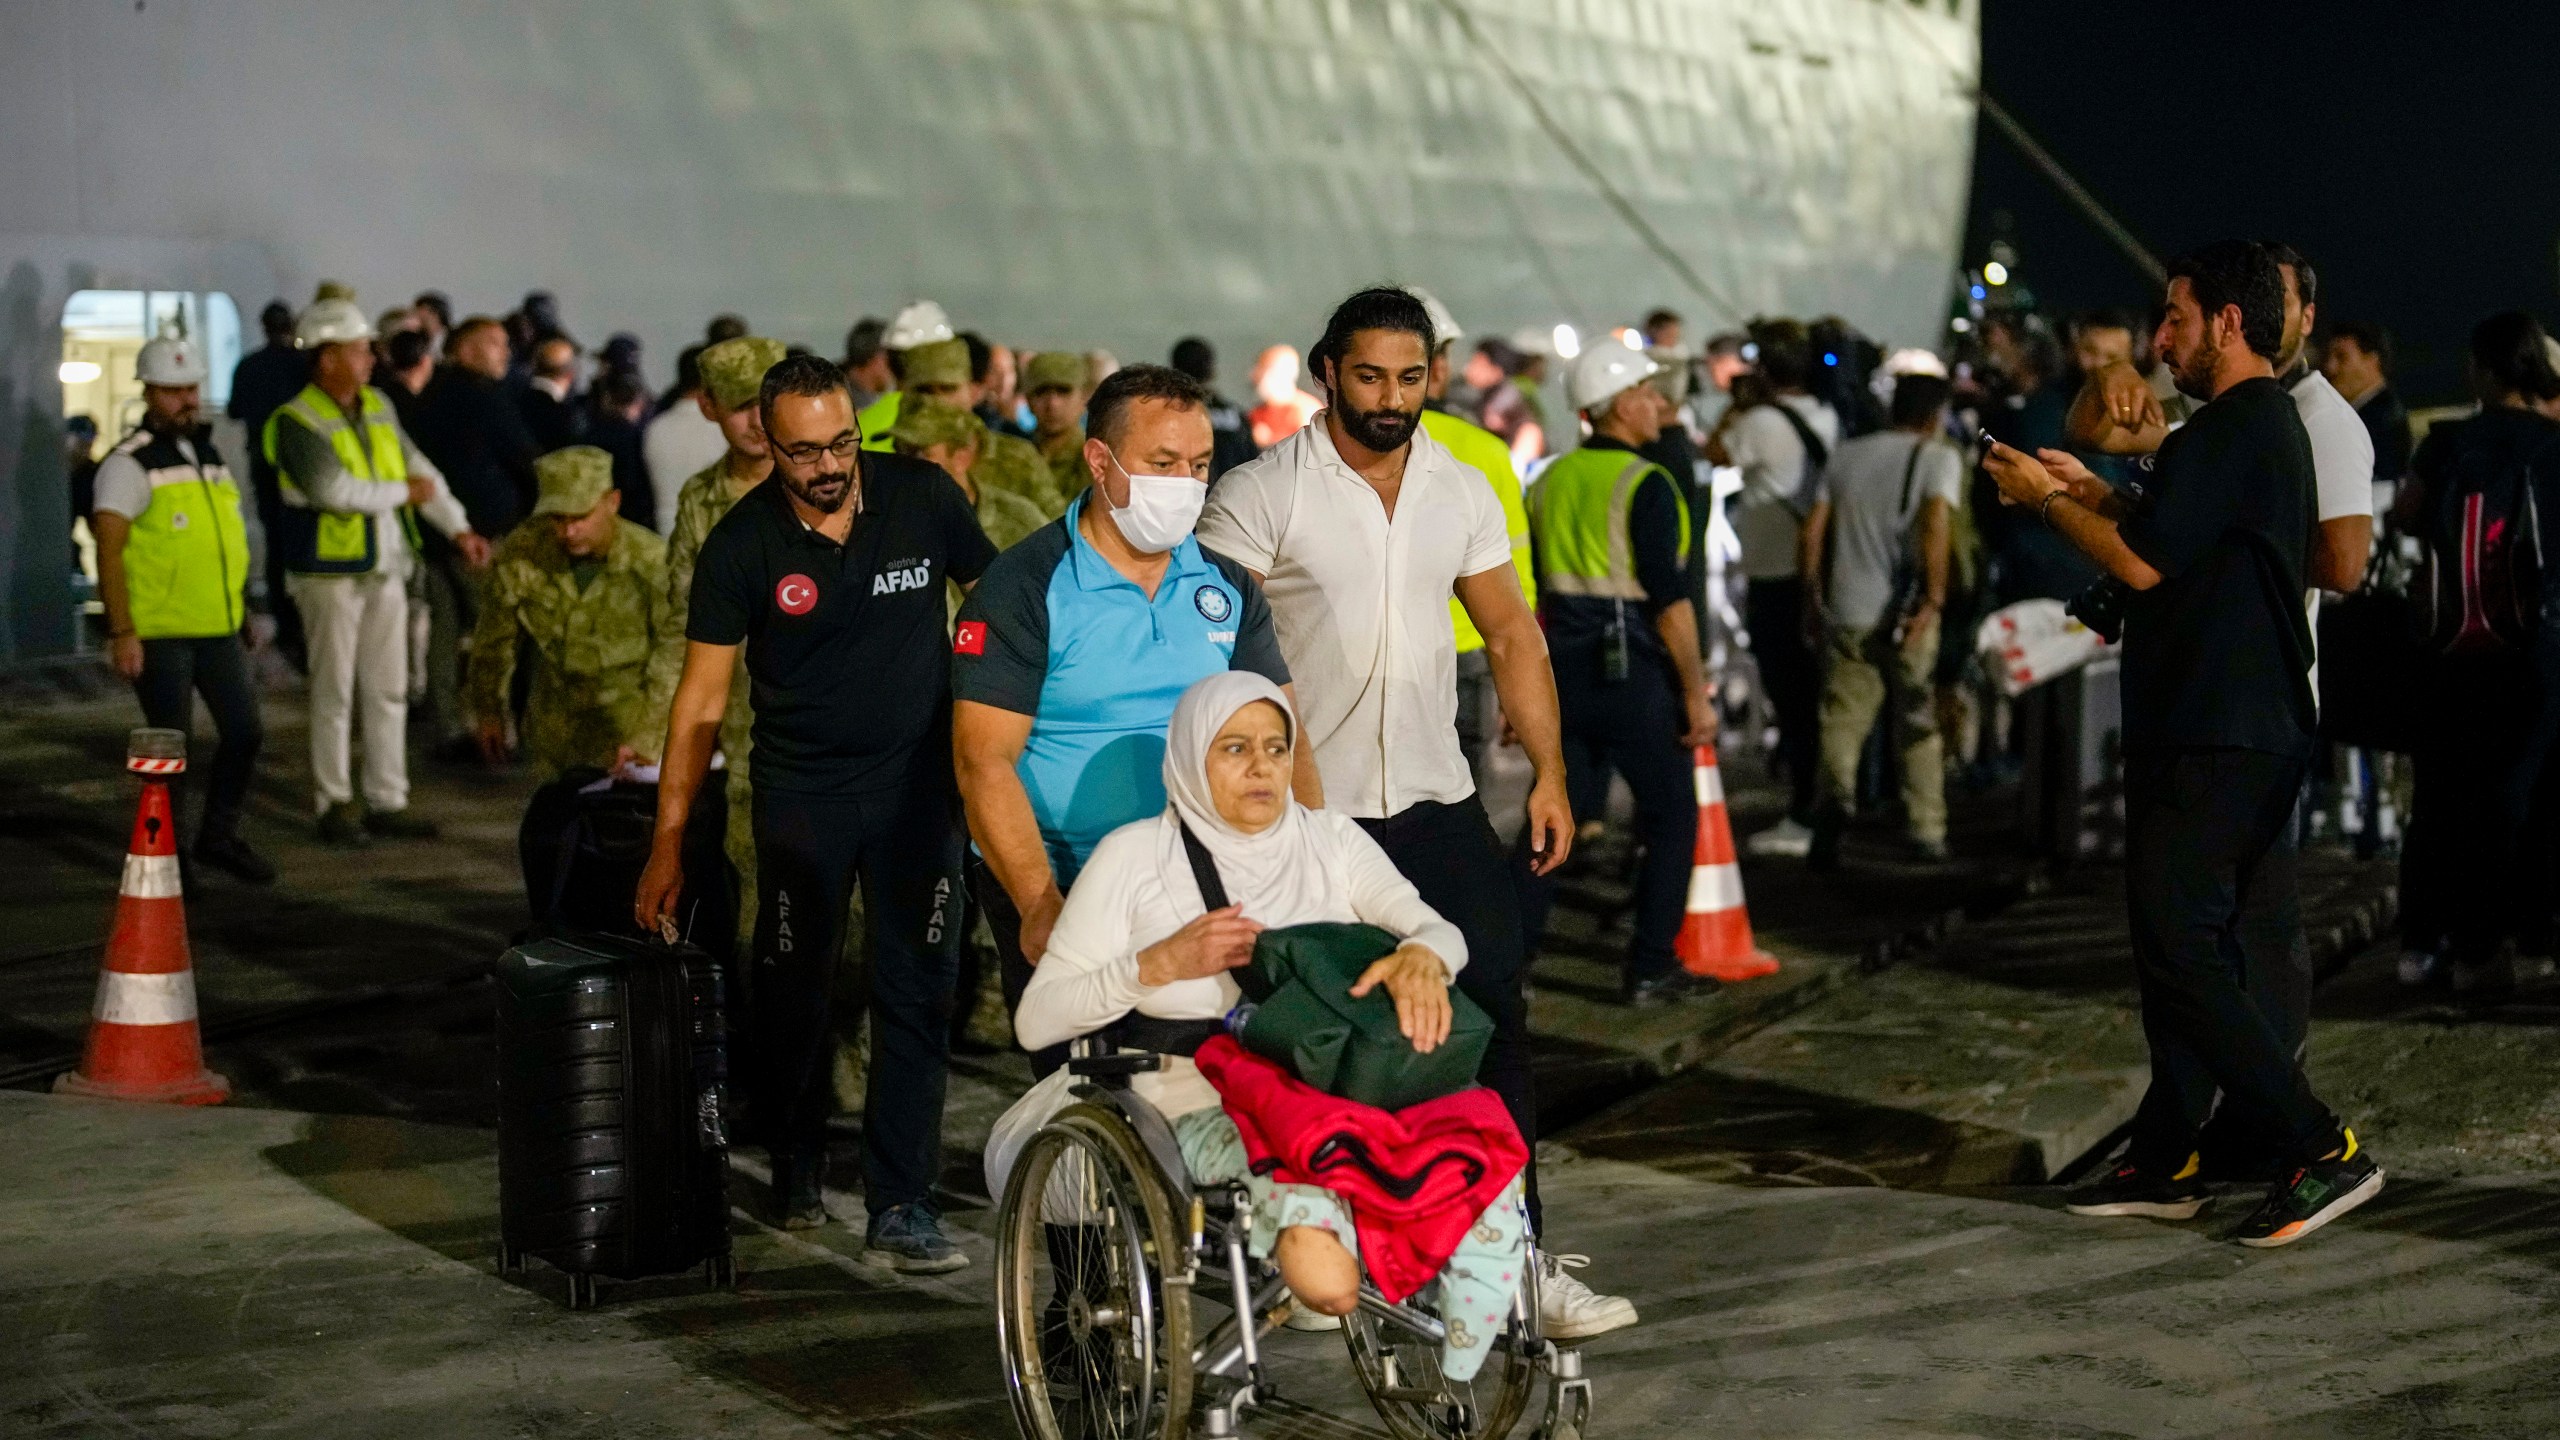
pixel 2208 912
pixel 174 672
pixel 1004 921
pixel 1633 727
pixel 2472 872
pixel 1476 719
pixel 903 847
pixel 1773 611
pixel 1451 855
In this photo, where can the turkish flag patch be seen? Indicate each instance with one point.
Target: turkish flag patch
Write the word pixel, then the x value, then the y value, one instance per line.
pixel 795 595
pixel 970 638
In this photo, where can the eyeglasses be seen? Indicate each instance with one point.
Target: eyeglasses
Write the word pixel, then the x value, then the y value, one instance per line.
pixel 844 447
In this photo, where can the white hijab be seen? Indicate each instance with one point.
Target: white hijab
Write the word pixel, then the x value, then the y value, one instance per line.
pixel 1283 875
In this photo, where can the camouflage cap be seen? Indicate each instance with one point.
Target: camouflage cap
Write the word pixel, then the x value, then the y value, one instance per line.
pixel 733 370
pixel 938 362
pixel 574 480
pixel 920 427
pixel 1056 370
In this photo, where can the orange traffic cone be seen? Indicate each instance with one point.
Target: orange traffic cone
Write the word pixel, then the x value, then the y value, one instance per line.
pixel 143 1043
pixel 1715 940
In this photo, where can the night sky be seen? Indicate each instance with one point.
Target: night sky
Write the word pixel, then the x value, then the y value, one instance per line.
pixel 2412 151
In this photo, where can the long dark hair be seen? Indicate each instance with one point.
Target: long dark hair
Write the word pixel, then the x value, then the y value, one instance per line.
pixel 2511 356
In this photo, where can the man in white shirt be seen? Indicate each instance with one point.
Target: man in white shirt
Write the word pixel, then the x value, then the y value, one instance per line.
pixel 1360 527
pixel 1781 447
pixel 682 441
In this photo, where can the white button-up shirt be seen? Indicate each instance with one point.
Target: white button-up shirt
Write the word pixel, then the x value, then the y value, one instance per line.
pixel 1362 606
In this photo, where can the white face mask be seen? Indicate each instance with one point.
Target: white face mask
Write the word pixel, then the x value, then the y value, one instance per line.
pixel 1161 509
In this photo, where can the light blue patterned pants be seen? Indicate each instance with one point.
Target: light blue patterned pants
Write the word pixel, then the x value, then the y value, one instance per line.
pixel 1476 1286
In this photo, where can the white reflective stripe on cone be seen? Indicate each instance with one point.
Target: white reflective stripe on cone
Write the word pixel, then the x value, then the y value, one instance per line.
pixel 1715 887
pixel 150 877
pixel 145 999
pixel 1710 784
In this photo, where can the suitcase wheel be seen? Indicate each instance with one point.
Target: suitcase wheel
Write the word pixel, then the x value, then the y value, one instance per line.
pixel 720 1272
pixel 510 1259
pixel 582 1291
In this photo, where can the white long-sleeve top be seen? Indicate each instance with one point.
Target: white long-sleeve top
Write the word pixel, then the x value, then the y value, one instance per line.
pixel 1121 904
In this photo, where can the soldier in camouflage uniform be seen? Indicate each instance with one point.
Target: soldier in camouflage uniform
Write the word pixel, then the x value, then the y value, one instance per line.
pixel 1055 385
pixel 589 590
pixel 732 373
pixel 957 440
pixel 939 372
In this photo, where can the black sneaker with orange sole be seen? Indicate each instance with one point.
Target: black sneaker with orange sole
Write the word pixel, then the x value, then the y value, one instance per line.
pixel 2311 1196
pixel 2136 1190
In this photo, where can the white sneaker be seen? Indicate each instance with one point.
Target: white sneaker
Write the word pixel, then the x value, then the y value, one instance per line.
pixel 1571 1310
pixel 1786 838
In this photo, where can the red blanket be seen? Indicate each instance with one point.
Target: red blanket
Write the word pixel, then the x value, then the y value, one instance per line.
pixel 1416 1179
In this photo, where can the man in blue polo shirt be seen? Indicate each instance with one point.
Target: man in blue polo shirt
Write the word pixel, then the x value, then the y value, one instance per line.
pixel 1071 651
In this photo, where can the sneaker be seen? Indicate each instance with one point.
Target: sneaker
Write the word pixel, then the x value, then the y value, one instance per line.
pixel 799 1190
pixel 2129 1189
pixel 2312 1196
pixel 1571 1310
pixel 343 825
pixel 225 851
pixel 400 825
pixel 1786 839
pixel 1929 850
pixel 1669 988
pixel 909 1238
pixel 2421 969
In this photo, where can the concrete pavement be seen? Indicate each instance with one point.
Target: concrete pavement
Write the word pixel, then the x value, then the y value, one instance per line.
pixel 1808 1187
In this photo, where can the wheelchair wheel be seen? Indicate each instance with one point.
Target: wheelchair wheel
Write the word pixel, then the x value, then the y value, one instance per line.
pixel 1401 1372
pixel 1096 1345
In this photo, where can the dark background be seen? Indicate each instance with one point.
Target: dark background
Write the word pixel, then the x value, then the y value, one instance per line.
pixel 2412 151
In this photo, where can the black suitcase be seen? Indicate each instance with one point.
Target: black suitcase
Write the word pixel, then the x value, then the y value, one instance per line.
pixel 584 841
pixel 613 1155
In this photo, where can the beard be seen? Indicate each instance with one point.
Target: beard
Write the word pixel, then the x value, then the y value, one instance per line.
pixel 2193 371
pixel 1380 430
pixel 825 494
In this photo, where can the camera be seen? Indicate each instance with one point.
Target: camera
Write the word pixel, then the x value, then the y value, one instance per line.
pixel 2101 608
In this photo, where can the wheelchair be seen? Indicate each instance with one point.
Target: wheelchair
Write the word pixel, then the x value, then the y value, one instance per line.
pixel 1109 1259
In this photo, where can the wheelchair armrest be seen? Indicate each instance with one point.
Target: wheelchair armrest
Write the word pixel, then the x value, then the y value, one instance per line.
pixel 1116 1064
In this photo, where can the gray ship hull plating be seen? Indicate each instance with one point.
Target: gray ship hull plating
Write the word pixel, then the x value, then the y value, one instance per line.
pixel 1071 172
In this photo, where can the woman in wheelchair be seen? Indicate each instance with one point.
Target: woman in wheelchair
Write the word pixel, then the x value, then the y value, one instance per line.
pixel 1137 956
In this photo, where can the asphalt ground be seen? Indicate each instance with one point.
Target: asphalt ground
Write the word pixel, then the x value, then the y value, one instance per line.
pixel 1811 1190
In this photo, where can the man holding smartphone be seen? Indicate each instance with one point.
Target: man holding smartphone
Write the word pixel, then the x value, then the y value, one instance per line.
pixel 2218 723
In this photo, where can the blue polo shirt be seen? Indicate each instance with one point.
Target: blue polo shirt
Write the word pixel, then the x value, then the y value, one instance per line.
pixel 1053 632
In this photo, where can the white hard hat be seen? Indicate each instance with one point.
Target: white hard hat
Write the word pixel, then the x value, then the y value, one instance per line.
pixel 921 323
pixel 332 321
pixel 1534 340
pixel 1444 326
pixel 1912 360
pixel 1604 370
pixel 170 360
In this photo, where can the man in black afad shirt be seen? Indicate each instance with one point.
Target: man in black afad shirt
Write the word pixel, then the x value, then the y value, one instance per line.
pixel 2217 728
pixel 832 577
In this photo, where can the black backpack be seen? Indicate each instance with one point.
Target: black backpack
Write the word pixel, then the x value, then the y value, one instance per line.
pixel 2482 587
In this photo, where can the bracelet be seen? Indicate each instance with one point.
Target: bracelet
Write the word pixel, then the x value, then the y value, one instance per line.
pixel 2044 510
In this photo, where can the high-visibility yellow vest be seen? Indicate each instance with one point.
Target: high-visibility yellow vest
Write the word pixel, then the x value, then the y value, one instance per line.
pixel 876 420
pixel 338 542
pixel 1578 513
pixel 186 559
pixel 1480 448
